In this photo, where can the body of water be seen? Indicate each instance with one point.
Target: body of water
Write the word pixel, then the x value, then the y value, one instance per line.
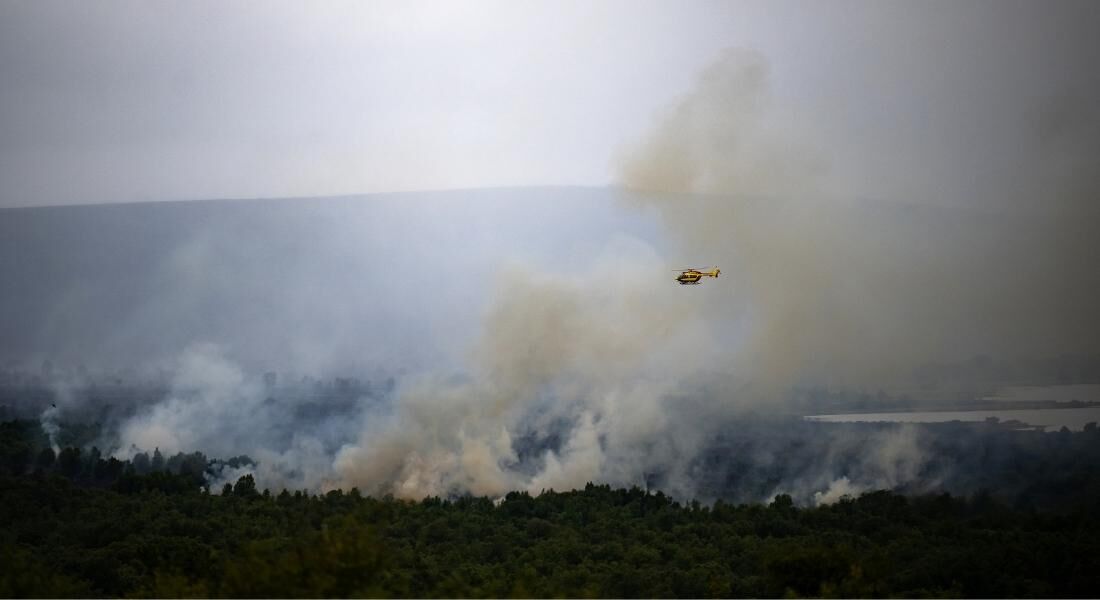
pixel 1053 419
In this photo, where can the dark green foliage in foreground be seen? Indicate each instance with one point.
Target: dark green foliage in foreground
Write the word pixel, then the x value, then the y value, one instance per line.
pixel 147 536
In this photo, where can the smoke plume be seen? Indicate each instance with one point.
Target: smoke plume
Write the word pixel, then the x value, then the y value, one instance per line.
pixel 590 359
pixel 862 291
pixel 51 427
pixel 613 373
pixel 818 288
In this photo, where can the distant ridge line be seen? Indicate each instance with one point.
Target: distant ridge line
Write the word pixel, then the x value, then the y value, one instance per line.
pixel 433 191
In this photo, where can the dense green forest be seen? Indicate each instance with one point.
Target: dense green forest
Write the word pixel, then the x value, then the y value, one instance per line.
pixel 79 524
pixel 155 535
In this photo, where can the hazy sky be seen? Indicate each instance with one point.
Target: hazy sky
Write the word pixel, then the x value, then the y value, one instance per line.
pixel 128 101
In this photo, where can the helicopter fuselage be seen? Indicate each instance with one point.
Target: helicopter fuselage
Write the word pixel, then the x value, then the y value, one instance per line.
pixel 693 276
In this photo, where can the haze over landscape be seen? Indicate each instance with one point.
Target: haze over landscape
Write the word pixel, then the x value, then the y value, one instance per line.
pixel 429 250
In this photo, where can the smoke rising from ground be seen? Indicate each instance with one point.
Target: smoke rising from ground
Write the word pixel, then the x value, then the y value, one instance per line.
pixel 213 406
pixel 824 290
pixel 603 369
pixel 565 386
pixel 570 355
pixel 50 426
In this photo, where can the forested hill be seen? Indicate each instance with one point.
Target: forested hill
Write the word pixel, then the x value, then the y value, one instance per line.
pixel 151 536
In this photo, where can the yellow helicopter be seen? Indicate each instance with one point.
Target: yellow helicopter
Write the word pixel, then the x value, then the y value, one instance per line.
pixel 694 276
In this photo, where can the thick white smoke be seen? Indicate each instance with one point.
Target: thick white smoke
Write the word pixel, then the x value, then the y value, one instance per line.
pixel 587 366
pixel 595 356
pixel 50 426
pixel 215 408
pixel 888 459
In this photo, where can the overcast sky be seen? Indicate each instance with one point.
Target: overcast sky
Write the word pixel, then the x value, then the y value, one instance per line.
pixel 131 101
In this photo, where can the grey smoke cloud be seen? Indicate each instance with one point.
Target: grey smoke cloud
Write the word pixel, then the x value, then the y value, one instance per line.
pixel 825 289
pixel 634 375
pixel 855 291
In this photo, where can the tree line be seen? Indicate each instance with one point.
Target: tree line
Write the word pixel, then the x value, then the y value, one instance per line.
pixel 157 530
